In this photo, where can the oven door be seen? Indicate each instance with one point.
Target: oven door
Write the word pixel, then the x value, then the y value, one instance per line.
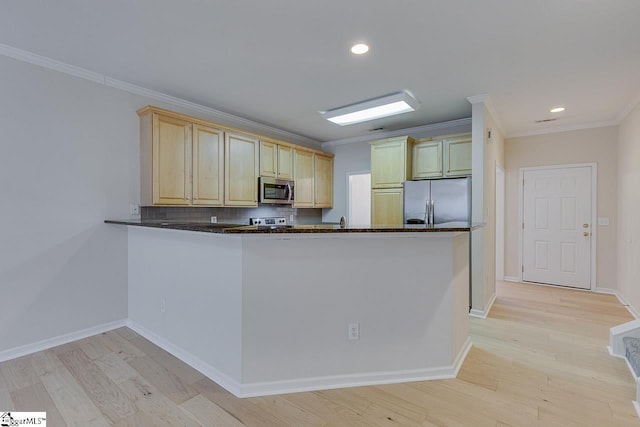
pixel 275 191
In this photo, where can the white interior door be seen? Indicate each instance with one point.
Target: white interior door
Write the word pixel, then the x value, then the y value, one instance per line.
pixel 359 199
pixel 557 226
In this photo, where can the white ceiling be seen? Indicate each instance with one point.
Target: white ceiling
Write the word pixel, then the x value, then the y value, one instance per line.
pixel 279 62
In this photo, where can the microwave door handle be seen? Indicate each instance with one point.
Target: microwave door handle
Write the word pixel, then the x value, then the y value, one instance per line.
pixel 427 212
pixel 288 193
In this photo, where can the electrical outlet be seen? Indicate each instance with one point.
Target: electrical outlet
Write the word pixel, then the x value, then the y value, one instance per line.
pixel 163 305
pixel 291 217
pixel 214 220
pixel 134 209
pixel 354 331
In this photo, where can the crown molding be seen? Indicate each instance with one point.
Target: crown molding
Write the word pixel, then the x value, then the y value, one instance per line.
pixel 486 100
pixel 72 70
pixel 635 101
pixel 566 128
pixel 399 132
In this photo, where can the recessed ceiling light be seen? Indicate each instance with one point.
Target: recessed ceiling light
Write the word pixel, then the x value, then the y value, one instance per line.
pixel 359 49
pixel 557 109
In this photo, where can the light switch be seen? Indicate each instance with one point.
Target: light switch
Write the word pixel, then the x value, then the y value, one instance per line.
pixel 603 220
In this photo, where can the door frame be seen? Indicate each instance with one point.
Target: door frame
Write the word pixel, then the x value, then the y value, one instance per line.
pixel 500 221
pixel 594 219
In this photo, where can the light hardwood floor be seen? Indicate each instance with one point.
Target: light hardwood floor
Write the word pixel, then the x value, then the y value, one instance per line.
pixel 540 359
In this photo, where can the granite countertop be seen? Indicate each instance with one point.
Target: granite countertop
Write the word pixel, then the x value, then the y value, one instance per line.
pixel 317 228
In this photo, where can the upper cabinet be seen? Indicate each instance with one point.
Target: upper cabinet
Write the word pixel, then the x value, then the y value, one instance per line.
pixel 391 162
pixel 181 163
pixel 303 175
pixel 208 166
pixel 439 157
pixel 276 160
pixel 186 161
pixel 241 170
pixel 457 156
pixel 323 180
pixel 427 159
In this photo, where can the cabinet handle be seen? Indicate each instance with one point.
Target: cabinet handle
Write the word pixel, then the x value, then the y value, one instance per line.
pixel 186 198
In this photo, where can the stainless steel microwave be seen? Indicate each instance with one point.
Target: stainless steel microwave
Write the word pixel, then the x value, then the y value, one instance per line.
pixel 275 191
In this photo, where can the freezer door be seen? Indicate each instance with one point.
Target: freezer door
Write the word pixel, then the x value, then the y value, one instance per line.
pixel 416 195
pixel 451 200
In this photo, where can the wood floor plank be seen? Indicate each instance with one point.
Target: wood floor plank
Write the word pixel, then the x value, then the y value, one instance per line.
pixel 115 368
pixel 151 401
pixel 288 412
pixel 5 398
pixel 94 347
pixel 127 333
pixel 243 409
pixel 35 398
pixel 140 419
pixel 45 362
pixel 208 413
pixel 103 392
pixel 18 373
pixel 121 346
pixel 71 400
pixel 164 380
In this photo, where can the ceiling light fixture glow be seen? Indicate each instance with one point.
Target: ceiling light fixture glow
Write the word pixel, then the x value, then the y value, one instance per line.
pixel 557 109
pixel 385 106
pixel 359 49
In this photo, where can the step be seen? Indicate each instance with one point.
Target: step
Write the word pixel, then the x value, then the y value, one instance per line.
pixel 632 353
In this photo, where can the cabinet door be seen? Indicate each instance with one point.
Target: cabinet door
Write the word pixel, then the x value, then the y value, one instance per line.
pixel 285 162
pixel 427 160
pixel 241 170
pixel 323 181
pixel 268 159
pixel 457 157
pixel 171 154
pixel 303 171
pixel 390 163
pixel 208 166
pixel 387 206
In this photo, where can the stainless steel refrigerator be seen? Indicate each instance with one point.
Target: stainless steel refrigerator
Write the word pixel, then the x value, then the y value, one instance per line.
pixel 437 201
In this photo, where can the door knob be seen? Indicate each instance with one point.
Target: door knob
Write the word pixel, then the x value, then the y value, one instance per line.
pixel 585 225
pixel 585 234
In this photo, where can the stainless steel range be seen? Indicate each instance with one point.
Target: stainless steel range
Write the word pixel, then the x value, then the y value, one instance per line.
pixel 273 222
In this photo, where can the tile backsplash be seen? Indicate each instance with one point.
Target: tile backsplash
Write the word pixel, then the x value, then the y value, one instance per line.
pixel 229 215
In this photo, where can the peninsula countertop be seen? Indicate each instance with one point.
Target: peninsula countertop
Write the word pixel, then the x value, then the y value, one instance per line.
pixel 316 228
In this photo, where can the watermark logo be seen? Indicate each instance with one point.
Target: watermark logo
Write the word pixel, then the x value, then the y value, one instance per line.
pixel 10 419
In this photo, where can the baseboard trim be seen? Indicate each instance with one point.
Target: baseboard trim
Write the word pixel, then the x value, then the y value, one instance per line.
pixel 511 279
pixel 48 343
pixel 196 363
pixel 303 384
pixel 482 314
pixel 636 405
pixel 634 313
pixel 608 291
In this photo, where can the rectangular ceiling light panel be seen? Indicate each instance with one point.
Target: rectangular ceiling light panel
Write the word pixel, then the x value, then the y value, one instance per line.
pixel 385 106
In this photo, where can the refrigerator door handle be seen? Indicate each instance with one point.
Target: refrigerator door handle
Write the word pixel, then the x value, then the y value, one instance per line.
pixel 427 212
pixel 431 211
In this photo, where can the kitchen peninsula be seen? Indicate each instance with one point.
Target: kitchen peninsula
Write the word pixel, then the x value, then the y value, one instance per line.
pixel 266 311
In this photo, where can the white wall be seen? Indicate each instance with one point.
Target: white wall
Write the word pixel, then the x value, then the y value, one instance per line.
pixel 628 242
pixel 67 152
pixel 581 146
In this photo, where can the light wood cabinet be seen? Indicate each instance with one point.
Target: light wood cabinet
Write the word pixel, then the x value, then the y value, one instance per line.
pixel 390 162
pixel 268 159
pixel 323 181
pixel 208 166
pixel 276 160
pixel 186 161
pixel 304 173
pixel 457 156
pixel 442 157
pixel 285 162
pixel 181 163
pixel 387 206
pixel 241 170
pixel 427 159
